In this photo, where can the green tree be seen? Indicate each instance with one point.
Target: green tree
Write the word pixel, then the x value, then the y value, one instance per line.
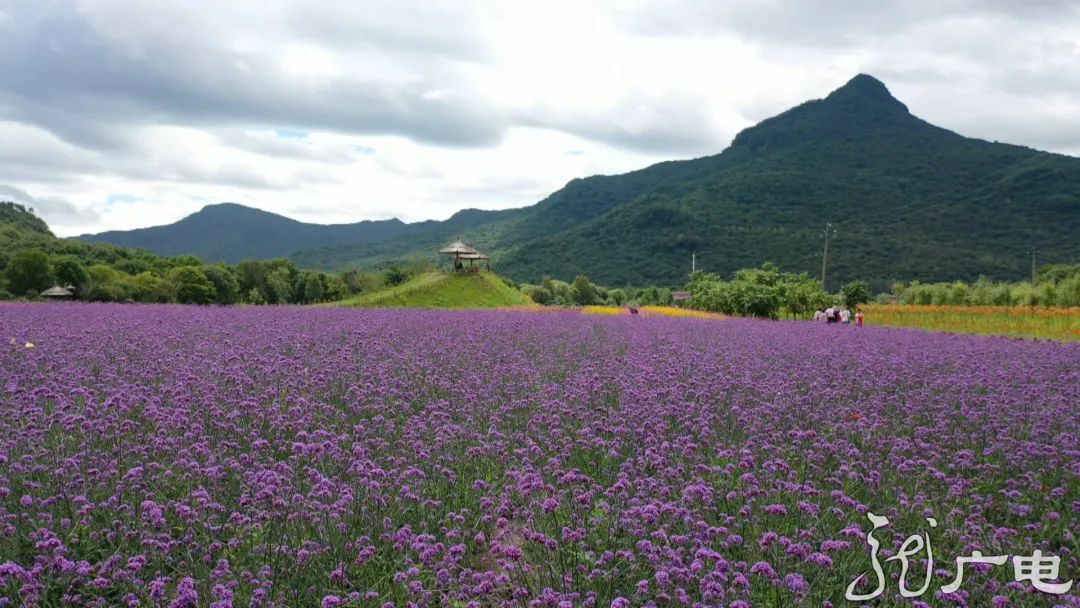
pixel 855 293
pixel 752 299
pixel 561 292
pixel 226 287
pixel 1069 291
pixel 279 287
pixel 313 288
pixel 648 296
pixel 336 288
pixel 107 284
pixel 70 271
pixel 394 275
pixel 191 285
pixel 584 291
pixel 185 260
pixel 536 293
pixel 282 278
pixel 134 265
pixel 29 272
pixel 616 296
pixel 752 292
pixel 148 287
pixel 361 282
pixel 251 276
pixel 802 295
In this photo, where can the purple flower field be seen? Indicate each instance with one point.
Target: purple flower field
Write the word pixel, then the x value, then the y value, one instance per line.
pixel 188 456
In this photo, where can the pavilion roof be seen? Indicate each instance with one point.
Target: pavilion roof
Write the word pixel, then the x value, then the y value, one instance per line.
pixel 457 248
pixel 57 292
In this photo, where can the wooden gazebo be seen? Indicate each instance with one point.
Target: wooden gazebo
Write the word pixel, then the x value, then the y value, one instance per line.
pixel 475 257
pixel 461 252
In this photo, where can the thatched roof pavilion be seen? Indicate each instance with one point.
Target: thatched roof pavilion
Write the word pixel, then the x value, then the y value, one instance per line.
pixel 57 292
pixel 461 251
pixel 457 249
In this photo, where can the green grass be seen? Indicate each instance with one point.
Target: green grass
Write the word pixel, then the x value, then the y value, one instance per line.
pixel 444 290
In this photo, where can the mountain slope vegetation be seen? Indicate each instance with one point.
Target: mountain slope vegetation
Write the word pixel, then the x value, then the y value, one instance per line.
pixel 32 259
pixel 909 201
pixel 229 232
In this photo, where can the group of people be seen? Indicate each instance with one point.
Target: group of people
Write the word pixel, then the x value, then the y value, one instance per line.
pixel 834 314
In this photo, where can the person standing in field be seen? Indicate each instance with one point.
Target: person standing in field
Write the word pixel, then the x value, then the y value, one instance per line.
pixel 859 319
pixel 818 314
pixel 845 316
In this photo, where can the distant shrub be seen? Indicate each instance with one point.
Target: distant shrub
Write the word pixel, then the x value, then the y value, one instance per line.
pixel 1059 288
pixel 584 292
pixel 191 285
pixel 855 293
pixel 394 275
pixel 537 294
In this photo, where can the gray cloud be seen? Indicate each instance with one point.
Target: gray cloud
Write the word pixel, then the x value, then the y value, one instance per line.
pixel 90 72
pixel 58 71
pixel 292 148
pixel 86 87
pixel 840 23
pixel 52 209
pixel 659 124
pixel 508 191
pixel 424 29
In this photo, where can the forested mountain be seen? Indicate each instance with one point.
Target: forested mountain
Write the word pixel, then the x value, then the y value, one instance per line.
pixel 909 200
pixel 230 232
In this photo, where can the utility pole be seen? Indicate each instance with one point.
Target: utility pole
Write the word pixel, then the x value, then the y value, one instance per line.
pixel 828 233
pixel 1034 250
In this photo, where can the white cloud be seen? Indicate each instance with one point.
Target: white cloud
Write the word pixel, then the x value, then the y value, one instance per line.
pixel 415 110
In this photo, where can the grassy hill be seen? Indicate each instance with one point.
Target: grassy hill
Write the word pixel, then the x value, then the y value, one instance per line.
pixel 444 290
pixel 909 200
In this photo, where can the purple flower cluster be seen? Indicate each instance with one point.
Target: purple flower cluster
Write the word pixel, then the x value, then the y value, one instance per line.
pixel 189 456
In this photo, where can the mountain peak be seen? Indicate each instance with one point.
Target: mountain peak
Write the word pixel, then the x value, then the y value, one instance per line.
pixel 229 208
pixel 864 89
pixel 862 105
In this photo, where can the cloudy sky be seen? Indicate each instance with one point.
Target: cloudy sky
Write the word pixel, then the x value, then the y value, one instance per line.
pixel 129 113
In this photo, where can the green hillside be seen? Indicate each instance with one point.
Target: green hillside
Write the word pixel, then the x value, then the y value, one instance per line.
pixel 229 232
pixel 32 259
pixel 444 290
pixel 909 200
pixel 21 230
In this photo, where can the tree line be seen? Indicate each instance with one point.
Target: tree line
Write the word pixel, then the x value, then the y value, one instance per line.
pixel 183 280
pixel 1055 285
pixel 770 293
pixel 758 292
pixel 583 292
pixel 32 259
